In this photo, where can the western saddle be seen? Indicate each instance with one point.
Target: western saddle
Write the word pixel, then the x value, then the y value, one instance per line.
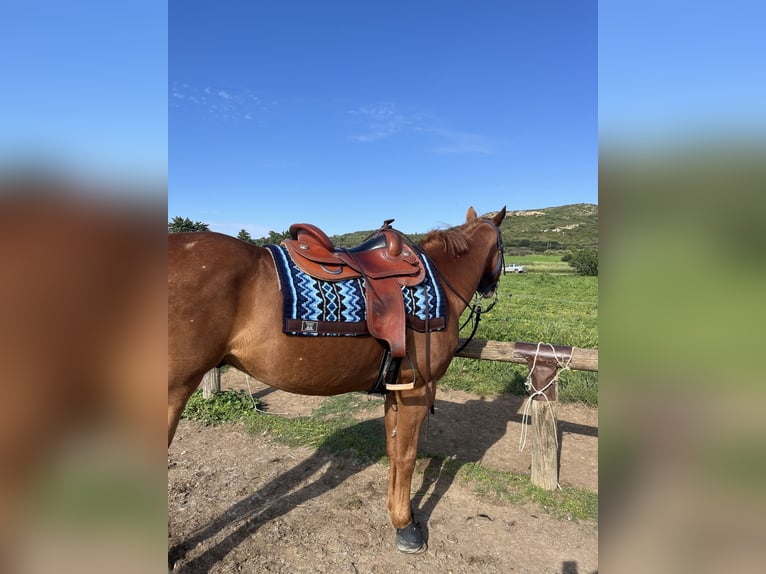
pixel 386 263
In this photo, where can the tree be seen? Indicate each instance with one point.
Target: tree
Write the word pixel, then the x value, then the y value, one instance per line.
pixel 245 236
pixel 184 224
pixel 585 262
pixel 273 238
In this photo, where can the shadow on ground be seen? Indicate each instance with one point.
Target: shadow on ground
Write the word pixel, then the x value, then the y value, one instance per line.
pixel 332 464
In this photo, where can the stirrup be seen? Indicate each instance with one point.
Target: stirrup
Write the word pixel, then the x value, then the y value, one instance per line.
pixel 387 376
pixel 390 374
pixel 400 386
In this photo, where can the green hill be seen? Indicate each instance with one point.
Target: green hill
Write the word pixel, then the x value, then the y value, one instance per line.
pixel 556 229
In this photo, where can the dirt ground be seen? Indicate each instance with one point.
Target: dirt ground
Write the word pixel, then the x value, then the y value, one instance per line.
pixel 243 503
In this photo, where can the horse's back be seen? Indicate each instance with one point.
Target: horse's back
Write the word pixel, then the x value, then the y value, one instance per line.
pixel 186 248
pixel 199 259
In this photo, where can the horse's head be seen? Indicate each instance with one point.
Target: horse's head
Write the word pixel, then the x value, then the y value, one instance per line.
pixel 495 260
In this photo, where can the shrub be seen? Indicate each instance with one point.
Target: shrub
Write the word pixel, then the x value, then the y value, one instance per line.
pixel 585 262
pixel 224 406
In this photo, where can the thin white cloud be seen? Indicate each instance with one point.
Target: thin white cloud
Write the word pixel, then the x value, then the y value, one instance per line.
pixel 218 103
pixel 379 121
pixel 386 120
pixel 454 142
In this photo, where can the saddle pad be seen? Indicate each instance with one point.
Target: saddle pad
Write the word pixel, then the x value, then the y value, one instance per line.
pixel 314 307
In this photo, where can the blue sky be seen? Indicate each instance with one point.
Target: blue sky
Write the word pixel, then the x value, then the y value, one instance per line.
pixel 344 114
pixel 330 108
pixel 674 72
pixel 84 87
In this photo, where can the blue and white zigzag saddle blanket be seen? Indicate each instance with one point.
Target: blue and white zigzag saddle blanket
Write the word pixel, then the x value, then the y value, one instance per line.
pixel 314 307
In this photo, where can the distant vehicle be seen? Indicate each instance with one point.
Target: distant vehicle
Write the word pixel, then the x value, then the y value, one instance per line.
pixel 514 268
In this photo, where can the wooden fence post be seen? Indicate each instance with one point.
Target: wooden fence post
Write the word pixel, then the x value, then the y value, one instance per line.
pixel 211 382
pixel 545 462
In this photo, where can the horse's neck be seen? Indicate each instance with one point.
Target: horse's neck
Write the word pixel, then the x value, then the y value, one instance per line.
pixel 462 273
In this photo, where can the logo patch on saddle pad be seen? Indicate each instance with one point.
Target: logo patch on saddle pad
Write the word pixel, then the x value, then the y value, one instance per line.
pixel 314 307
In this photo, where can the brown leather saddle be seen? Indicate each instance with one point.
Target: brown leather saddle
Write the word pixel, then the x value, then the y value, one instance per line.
pixel 384 261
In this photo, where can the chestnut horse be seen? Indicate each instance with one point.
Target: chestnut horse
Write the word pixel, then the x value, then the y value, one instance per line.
pixel 224 306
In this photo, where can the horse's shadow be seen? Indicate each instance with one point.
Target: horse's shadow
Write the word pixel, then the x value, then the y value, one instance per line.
pixel 463 432
pixel 448 435
pixel 280 496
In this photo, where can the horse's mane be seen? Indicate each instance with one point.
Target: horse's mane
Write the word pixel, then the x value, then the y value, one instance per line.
pixel 453 240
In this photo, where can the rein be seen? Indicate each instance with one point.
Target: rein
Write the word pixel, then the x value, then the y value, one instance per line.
pixel 476 311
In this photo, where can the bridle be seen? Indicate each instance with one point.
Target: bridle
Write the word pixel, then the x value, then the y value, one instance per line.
pixel 488 283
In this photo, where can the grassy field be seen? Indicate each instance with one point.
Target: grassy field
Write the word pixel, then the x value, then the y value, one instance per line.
pixel 553 307
pixel 541 263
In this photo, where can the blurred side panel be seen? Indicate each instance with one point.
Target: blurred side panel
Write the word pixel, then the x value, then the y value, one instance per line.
pixel 83 330
pixel 83 305
pixel 682 400
pixel 683 445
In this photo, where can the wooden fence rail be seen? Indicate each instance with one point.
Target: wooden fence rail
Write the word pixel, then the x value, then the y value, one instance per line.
pixel 582 359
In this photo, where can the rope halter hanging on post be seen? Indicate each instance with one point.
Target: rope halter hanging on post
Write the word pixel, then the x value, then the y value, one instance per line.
pixel 560 366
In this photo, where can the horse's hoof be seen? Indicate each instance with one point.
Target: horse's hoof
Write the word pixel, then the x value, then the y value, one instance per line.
pixel 410 540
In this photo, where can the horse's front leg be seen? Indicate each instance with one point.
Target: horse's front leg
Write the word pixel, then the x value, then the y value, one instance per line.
pixel 405 411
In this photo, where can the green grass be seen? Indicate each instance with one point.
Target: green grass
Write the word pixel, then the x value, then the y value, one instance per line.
pixel 363 441
pixel 541 263
pixel 539 258
pixel 343 405
pixel 532 307
pixel 329 431
pixel 560 309
pixel 325 428
pixel 225 406
pixel 567 502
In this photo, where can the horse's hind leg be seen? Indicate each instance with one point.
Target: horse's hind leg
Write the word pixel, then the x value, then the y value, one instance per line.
pixel 178 395
pixel 405 412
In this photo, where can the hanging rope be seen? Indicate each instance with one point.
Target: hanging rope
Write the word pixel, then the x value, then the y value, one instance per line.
pixel 528 384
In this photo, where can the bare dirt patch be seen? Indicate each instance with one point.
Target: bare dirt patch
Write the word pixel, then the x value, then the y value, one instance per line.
pixel 239 502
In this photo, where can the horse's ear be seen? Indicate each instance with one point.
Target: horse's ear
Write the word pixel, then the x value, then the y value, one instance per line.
pixel 499 216
pixel 471 215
